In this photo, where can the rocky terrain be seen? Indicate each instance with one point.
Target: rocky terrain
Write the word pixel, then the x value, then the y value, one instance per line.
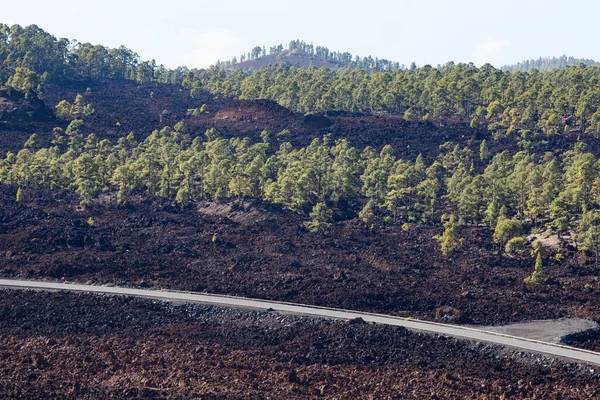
pixel 265 252
pixel 57 345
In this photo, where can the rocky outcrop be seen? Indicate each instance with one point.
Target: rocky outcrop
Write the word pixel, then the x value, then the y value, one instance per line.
pixel 14 107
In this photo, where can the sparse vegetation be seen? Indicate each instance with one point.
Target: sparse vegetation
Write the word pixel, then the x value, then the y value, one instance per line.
pixel 77 110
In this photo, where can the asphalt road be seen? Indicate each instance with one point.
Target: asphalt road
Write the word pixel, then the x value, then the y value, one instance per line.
pixel 528 345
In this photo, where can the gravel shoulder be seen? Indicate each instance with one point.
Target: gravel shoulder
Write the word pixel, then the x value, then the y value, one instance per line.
pixel 551 331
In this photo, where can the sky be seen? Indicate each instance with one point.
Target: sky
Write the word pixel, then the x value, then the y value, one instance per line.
pixel 197 33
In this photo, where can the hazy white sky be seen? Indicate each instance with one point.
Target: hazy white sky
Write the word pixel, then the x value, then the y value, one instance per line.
pixel 197 32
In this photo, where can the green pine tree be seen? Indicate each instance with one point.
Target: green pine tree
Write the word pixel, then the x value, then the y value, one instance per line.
pixel 320 217
pixel 538 272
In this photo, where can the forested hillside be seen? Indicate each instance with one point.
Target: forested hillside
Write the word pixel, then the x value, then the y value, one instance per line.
pixel 476 188
pixel 55 59
pixel 506 102
pixel 512 181
pixel 545 64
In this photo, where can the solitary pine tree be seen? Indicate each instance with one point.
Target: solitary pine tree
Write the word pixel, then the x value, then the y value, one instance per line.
pixel 448 240
pixel 367 214
pixel 538 272
pixel 320 217
pixel 484 153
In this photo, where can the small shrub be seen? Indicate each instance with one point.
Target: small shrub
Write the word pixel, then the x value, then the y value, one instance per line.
pixel 535 230
pixel 515 246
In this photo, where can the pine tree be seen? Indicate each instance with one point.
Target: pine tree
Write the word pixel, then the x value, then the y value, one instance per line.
pixel 538 272
pixel 33 142
pixel 537 248
pixel 506 229
pixel 25 81
pixel 484 153
pixel 515 246
pixel 411 115
pixel 589 233
pixel 320 217
pixel 183 196
pixel 367 214
pixel 63 109
pixel 472 200
pixel 448 240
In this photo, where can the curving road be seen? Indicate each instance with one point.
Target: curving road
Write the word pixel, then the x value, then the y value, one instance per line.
pixel 529 345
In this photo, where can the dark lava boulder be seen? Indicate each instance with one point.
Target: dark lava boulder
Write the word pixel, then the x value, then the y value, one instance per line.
pixel 317 121
pixel 14 106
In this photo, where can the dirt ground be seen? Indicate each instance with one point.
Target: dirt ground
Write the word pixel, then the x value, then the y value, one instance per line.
pixel 65 345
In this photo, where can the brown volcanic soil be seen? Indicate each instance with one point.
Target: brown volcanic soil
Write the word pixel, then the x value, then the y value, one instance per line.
pixel 21 117
pixel 66 345
pixel 136 107
pixel 265 252
pixel 120 107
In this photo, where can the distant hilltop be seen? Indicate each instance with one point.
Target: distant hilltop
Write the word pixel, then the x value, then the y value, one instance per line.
pixel 545 64
pixel 289 57
pixel 303 54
